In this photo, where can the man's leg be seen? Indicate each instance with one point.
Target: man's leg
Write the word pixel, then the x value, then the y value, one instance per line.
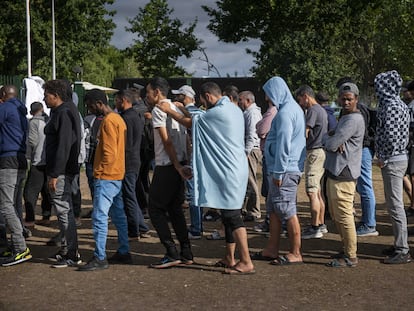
pixel 8 184
pixel 131 203
pixel 32 188
pixel 236 232
pixel 162 192
pixel 253 193
pixel 117 213
pixel 62 200
pixel 104 193
pixel 365 189
pixel 392 175
pixel 293 228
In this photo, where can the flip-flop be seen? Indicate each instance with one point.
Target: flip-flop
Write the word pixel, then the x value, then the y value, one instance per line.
pixel 236 271
pixel 221 264
pixel 260 256
pixel 284 261
pixel 341 262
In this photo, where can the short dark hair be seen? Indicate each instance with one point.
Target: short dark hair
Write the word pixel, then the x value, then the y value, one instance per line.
pixel 59 88
pixel 231 90
pixel 127 94
pixel 161 84
pixel 96 95
pixel 35 107
pixel 304 89
pixel 210 87
pixel 322 97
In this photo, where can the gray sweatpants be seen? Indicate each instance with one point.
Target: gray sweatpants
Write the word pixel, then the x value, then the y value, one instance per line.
pixel 392 175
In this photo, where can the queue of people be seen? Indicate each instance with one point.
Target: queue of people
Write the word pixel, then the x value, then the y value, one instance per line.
pixel 209 155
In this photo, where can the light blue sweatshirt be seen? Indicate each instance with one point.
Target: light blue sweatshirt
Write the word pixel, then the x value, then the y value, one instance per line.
pixel 285 148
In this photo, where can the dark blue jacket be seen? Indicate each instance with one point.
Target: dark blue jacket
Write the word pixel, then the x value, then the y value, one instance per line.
pixel 13 128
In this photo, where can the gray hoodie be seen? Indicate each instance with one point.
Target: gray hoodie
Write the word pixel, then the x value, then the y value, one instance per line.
pixel 36 140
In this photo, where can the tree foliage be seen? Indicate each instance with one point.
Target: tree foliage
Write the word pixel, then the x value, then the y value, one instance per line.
pixel 317 42
pixel 82 29
pixel 161 40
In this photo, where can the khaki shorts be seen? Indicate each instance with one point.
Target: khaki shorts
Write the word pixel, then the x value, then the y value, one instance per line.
pixel 315 159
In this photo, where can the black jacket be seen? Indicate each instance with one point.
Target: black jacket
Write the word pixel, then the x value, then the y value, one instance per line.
pixel 135 127
pixel 63 137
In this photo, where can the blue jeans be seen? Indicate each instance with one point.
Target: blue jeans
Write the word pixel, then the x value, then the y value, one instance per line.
pixel 365 189
pixel 196 226
pixel 108 201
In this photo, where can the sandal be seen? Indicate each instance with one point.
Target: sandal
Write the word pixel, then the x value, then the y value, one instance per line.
pixel 342 262
pixel 284 261
pixel 260 256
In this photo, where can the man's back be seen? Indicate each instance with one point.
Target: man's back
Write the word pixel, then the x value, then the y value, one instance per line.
pixel 109 162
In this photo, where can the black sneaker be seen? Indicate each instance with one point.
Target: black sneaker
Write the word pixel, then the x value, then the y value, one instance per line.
pixel 165 262
pixel 62 255
pixel 6 253
pixel 119 258
pixel 94 264
pixel 65 262
pixel 16 258
pixel 398 258
pixel 390 251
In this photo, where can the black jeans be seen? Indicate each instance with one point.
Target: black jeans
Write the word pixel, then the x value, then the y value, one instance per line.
pixel 165 197
pixel 133 212
pixel 35 184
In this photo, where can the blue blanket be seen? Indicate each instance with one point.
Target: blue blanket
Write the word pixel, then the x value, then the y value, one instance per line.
pixel 220 167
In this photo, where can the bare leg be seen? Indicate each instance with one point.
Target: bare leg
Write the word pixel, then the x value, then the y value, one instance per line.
pixel 272 247
pixel 314 207
pixel 294 239
pixel 229 259
pixel 245 264
pixel 408 187
pixel 321 209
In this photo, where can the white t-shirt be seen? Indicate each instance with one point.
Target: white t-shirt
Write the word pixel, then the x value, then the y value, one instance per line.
pixel 176 132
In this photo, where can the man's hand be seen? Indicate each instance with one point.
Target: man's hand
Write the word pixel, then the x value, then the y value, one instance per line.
pixel 179 104
pixel 341 149
pixel 185 171
pixel 381 163
pixel 52 184
pixel 277 182
pixel 164 106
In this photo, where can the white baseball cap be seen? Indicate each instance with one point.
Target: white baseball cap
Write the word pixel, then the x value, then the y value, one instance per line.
pixel 185 90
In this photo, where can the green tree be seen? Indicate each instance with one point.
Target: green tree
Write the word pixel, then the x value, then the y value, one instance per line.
pixel 316 42
pixel 161 40
pixel 82 28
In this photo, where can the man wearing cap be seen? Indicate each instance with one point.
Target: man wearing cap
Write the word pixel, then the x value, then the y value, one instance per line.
pixel 185 95
pixel 393 120
pixel 252 114
pixel 343 166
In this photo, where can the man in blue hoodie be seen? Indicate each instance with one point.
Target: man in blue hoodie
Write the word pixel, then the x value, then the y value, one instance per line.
pixel 285 155
pixel 13 165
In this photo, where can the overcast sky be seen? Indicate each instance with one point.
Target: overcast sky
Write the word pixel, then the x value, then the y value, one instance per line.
pixel 227 58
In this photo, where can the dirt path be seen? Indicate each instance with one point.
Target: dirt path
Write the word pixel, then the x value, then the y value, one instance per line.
pixel 312 286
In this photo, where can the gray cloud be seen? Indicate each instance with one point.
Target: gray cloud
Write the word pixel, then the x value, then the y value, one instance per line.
pixel 227 58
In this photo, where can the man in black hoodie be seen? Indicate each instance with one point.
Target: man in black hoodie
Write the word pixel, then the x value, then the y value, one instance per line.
pixel 63 136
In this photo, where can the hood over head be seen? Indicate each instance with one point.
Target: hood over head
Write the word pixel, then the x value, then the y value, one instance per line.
pixel 278 92
pixel 388 86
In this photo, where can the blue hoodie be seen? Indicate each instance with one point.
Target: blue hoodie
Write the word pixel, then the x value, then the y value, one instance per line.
pixel 285 148
pixel 13 128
